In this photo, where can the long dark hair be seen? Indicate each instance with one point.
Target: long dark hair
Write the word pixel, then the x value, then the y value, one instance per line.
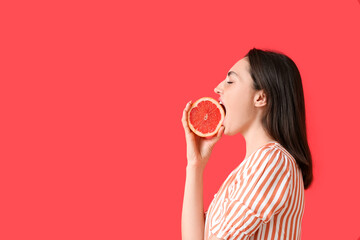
pixel 284 119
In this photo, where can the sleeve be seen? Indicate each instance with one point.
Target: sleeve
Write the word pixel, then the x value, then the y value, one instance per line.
pixel 263 190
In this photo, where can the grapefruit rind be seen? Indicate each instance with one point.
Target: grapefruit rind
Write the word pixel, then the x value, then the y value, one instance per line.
pixel 222 112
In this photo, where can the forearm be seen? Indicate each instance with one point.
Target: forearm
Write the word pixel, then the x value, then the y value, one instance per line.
pixel 192 220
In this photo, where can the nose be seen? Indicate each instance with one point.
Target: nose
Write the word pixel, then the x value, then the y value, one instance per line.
pixel 217 90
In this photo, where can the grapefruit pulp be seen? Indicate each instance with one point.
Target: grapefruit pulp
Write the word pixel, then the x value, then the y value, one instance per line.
pixel 205 117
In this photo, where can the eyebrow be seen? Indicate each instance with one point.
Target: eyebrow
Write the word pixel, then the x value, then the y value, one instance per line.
pixel 232 72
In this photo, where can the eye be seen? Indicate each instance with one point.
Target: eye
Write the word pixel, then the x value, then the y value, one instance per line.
pixel 229 82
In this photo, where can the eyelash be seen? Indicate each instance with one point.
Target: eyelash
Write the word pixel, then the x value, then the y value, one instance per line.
pixel 229 82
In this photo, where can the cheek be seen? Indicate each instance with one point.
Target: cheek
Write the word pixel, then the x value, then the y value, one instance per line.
pixel 240 102
pixel 241 107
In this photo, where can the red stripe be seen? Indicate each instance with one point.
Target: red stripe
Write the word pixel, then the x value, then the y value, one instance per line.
pixel 285 188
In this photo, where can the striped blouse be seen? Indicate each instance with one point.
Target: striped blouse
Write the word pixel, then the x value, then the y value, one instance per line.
pixel 262 198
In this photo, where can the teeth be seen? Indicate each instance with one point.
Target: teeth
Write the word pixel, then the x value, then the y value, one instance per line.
pixel 223 106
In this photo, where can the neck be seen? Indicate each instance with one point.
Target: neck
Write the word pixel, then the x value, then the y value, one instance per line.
pixel 256 137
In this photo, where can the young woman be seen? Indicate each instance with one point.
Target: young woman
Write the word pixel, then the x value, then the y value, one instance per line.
pixel 262 198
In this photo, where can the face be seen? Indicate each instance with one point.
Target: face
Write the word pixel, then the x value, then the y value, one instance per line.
pixel 241 101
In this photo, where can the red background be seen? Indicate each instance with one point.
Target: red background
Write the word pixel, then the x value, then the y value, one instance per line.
pixel 92 94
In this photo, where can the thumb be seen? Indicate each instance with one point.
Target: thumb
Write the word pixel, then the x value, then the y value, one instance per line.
pixel 218 136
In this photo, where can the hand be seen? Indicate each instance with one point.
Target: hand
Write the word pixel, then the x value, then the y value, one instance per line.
pixel 198 148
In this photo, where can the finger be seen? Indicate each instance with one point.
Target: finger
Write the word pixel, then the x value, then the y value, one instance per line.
pixel 217 136
pixel 184 118
pixel 221 131
pixel 185 111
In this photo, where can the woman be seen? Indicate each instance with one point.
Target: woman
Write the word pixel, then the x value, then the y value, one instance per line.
pixel 262 198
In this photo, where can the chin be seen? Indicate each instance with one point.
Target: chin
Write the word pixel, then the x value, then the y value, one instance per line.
pixel 229 132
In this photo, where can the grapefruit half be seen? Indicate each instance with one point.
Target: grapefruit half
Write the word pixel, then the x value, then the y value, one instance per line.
pixel 205 117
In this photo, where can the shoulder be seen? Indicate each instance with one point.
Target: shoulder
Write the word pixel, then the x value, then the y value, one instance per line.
pixel 286 156
pixel 276 151
pixel 269 152
pixel 272 155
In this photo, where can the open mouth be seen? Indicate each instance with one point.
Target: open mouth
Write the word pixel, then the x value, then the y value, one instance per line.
pixel 223 107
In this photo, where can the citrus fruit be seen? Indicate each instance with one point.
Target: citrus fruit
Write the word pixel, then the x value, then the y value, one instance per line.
pixel 205 117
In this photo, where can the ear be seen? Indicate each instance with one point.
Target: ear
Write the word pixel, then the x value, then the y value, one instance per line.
pixel 260 99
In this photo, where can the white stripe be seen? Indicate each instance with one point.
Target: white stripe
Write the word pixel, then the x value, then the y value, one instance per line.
pixel 298 207
pixel 271 228
pixel 268 196
pixel 219 225
pixel 256 176
pixel 248 189
pixel 300 212
pixel 264 231
pixel 235 210
pixel 267 184
pixel 290 207
pixel 280 233
pixel 293 208
pixel 278 193
pixel 253 156
pixel 240 230
pixel 216 216
pixel 250 163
